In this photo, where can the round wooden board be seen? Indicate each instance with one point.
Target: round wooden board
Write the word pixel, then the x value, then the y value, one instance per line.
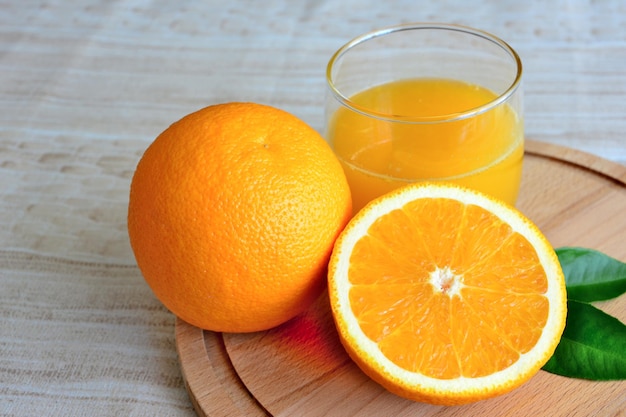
pixel 300 368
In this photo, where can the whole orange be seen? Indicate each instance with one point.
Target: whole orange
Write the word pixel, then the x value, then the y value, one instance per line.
pixel 233 213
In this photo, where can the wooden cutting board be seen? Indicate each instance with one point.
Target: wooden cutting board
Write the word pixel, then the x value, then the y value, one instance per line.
pixel 300 368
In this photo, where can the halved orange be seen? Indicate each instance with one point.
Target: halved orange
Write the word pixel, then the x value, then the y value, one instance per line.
pixel 445 295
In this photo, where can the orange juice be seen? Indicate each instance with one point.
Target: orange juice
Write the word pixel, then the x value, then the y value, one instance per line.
pixel 428 129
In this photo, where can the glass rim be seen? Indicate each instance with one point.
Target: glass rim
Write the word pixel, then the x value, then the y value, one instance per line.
pixel 501 98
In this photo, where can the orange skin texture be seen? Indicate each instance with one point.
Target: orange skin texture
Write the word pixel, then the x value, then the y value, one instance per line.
pixel 233 214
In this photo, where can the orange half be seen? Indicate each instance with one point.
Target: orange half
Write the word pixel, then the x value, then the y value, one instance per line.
pixel 445 295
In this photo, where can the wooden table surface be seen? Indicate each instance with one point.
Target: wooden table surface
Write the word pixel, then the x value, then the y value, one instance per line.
pixel 85 86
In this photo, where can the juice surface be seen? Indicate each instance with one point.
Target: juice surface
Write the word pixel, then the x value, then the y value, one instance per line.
pixel 421 137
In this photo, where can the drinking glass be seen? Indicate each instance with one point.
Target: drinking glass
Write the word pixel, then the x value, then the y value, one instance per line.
pixel 426 102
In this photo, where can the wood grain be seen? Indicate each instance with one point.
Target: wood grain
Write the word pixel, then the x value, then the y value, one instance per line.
pixel 300 368
pixel 206 360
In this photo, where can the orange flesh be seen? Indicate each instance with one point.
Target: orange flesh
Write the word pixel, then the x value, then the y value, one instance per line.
pixel 469 311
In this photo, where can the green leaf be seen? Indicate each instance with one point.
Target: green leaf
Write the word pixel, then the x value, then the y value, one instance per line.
pixel 593 345
pixel 591 275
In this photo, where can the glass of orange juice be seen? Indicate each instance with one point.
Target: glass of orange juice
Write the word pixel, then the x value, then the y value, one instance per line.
pixel 426 102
